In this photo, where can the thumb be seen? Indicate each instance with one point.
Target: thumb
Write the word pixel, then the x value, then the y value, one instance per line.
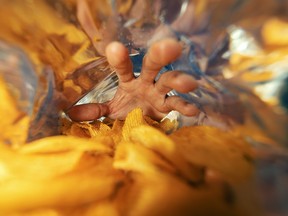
pixel 87 112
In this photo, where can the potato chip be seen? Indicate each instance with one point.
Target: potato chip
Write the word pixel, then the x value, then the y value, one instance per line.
pixel 58 144
pixel 38 212
pixel 216 149
pixel 168 126
pixel 70 90
pixel 16 134
pixel 104 129
pixel 85 82
pixel 79 129
pixel 153 139
pixel 102 208
pixel 35 167
pixel 65 125
pixel 64 191
pixel 274 32
pixel 85 129
pixel 116 132
pixel 160 143
pixel 29 189
pixel 241 62
pixel 151 122
pixel 163 194
pixel 133 157
pixel 134 118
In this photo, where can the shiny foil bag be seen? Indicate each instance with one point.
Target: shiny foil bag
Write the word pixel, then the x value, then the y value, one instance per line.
pixel 52 53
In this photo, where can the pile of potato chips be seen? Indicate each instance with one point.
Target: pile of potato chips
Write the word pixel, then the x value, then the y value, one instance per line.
pixel 130 167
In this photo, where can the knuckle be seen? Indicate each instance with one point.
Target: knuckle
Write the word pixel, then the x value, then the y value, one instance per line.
pixel 172 74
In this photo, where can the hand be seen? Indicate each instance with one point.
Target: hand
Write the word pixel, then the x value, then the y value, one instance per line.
pixel 143 91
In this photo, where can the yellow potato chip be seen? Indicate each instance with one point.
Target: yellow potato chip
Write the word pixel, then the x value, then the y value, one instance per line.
pixel 116 132
pixel 153 138
pixel 37 212
pixel 63 143
pixel 96 130
pixel 274 32
pixel 159 142
pixel 84 81
pixel 86 129
pixel 42 181
pixel 134 118
pixel 133 157
pixel 151 122
pixel 162 194
pixel 71 90
pixel 168 126
pixel 16 134
pixel 104 129
pixel 65 125
pixel 102 208
pixel 240 63
pixel 79 130
pixel 215 149
pixel 36 167
pixel 70 190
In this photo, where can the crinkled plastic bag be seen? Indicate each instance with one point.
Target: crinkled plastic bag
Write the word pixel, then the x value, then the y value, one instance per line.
pixel 213 32
pixel 217 35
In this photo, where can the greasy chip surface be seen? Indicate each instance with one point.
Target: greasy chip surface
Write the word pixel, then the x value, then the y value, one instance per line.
pixel 129 167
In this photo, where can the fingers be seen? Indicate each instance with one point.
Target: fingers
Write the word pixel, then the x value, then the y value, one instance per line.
pixel 176 80
pixel 87 22
pixel 159 55
pixel 180 105
pixel 87 112
pixel 118 57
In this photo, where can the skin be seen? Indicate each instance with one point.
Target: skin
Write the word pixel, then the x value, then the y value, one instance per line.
pixel 143 91
pixel 133 92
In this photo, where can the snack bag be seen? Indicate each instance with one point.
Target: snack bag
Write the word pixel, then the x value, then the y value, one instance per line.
pixel 51 58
